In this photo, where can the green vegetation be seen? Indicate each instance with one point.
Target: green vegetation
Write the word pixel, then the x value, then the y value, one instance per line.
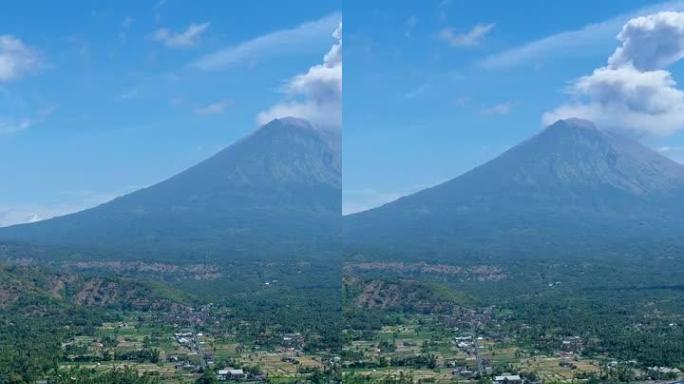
pixel 99 325
pixel 584 320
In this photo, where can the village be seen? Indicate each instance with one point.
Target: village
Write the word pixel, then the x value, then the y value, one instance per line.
pixel 179 348
pixel 473 349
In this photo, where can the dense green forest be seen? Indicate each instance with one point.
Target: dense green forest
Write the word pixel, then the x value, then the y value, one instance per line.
pixel 255 303
pixel 632 310
pixel 32 331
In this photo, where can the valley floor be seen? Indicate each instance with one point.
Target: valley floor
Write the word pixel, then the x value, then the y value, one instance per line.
pixel 179 352
pixel 422 322
pixel 146 323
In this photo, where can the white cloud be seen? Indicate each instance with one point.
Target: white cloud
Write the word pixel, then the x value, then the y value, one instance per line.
pixel 417 91
pixel 315 95
pixel 184 39
pixel 22 215
pixel 410 25
pixel 442 9
pixel 364 199
pixel 675 153
pixel 588 40
pixel 125 26
pixel 470 38
pixel 650 42
pixel 156 9
pixel 215 108
pixel 10 126
pixel 461 101
pixel 498 109
pixel 358 200
pixel 16 58
pixel 177 100
pixel 625 99
pixel 632 93
pixel 74 201
pixel 130 93
pixel 288 41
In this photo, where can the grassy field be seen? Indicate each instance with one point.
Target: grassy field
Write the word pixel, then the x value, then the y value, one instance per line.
pixel 177 353
pixel 391 350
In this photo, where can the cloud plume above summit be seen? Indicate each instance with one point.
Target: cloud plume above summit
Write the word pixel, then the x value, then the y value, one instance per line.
pixel 651 42
pixel 315 95
pixel 634 92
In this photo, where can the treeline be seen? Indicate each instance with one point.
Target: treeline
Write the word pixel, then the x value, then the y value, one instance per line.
pixel 114 376
pixel 415 362
pixel 628 308
pixel 609 327
pixel 402 378
pixel 264 302
pixel 31 332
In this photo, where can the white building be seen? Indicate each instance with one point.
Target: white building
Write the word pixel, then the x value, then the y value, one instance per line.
pixel 231 374
pixel 510 379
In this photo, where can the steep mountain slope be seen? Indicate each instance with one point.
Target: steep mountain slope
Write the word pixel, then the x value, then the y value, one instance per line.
pixel 275 192
pixel 571 185
pixel 403 295
pixel 44 287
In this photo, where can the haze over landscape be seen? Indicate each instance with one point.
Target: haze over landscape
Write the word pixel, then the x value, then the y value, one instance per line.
pixel 175 216
pixel 276 191
pixel 570 186
pixel 180 204
pixel 152 90
pixel 523 221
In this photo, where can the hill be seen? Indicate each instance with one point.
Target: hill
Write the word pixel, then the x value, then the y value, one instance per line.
pixel 275 193
pixel 572 189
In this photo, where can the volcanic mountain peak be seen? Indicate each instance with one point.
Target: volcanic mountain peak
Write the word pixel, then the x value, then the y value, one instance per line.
pixel 572 180
pixel 284 151
pixel 572 123
pixel 277 191
pixel 574 153
pixel 290 123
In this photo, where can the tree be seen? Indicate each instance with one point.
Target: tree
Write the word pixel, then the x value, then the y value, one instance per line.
pixel 208 377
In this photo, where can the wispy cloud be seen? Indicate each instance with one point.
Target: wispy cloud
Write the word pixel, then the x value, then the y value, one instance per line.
pixel 287 41
pixel 9 126
pixel 589 39
pixel 359 200
pixel 16 58
pixel 461 101
pixel 12 125
pixel 79 200
pixel 467 39
pixel 416 92
pixel 498 109
pixel 675 153
pixel 130 93
pixel 125 26
pixel 30 214
pixel 442 9
pixel 410 25
pixel 157 8
pixel 189 37
pixel 215 108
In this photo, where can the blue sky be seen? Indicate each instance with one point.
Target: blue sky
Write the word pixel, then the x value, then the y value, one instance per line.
pixel 101 98
pixel 434 88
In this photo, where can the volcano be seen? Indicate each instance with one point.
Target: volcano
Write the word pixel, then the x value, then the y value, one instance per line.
pixel 569 188
pixel 275 193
